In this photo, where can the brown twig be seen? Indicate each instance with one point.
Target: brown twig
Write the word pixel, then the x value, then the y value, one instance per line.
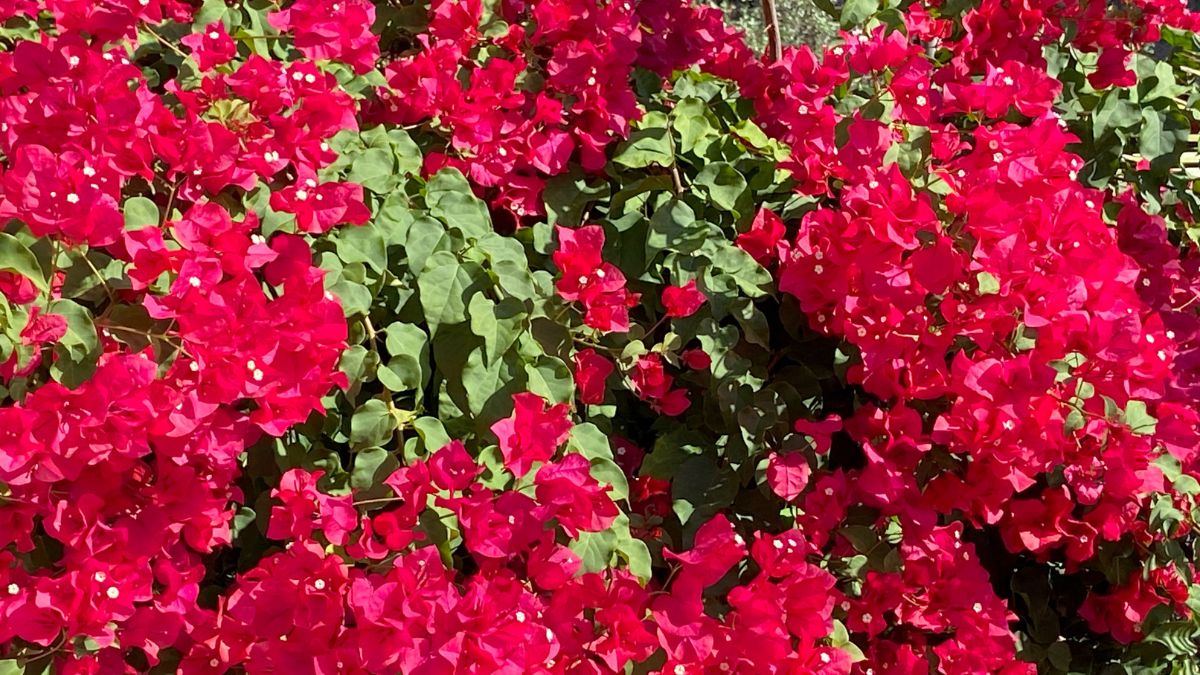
pixel 771 18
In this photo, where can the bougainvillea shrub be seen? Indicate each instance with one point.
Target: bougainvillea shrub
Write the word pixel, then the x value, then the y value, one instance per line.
pixel 570 336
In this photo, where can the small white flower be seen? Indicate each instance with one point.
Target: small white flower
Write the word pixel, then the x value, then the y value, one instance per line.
pixel 194 367
pixel 873 184
pixel 1150 339
pixel 319 584
pixel 1008 80
pixel 88 170
pixel 257 375
pixel 301 194
pixel 251 365
pixel 549 634
pixel 112 593
pixel 310 78
pixel 818 269
pixel 214 35
pixel 194 282
pixel 824 657
pixel 1170 335
pixel 921 100
pixel 977 607
pixel 99 577
pixel 681 669
pixel 997 157
pixel 777 543
pixel 583 279
pixel 328 295
pixel 600 274
pixel 324 146
pixel 213 663
pixel 72 198
pixel 13 589
pixel 520 616
pixel 297 76
pixel 310 183
pixel 502 152
pixel 1162 355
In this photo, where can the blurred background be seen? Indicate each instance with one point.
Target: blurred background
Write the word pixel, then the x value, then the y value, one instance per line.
pixel 800 21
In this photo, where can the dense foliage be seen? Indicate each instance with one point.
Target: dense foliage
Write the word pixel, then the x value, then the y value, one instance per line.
pixel 574 336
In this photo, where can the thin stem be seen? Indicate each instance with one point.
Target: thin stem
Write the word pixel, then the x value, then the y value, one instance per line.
pixel 774 44
pixel 166 43
pixel 112 298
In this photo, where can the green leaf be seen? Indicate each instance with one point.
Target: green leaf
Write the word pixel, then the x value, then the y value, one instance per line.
pixel 1162 134
pixel 372 424
pixel 431 432
pixel 691 119
pixel 16 257
pixel 645 147
pixel 140 212
pixel 371 467
pixel 587 440
pixel 408 153
pixel 595 549
pixel 568 196
pixel 446 286
pixel 674 227
pixel 374 169
pixel 856 12
pixel 1178 636
pixel 363 244
pixel 499 324
pixel 722 183
pixel 551 379
pixel 79 347
pixel 1138 420
pixel 988 284
pixel 408 352
pixel 451 200
pixel 607 472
